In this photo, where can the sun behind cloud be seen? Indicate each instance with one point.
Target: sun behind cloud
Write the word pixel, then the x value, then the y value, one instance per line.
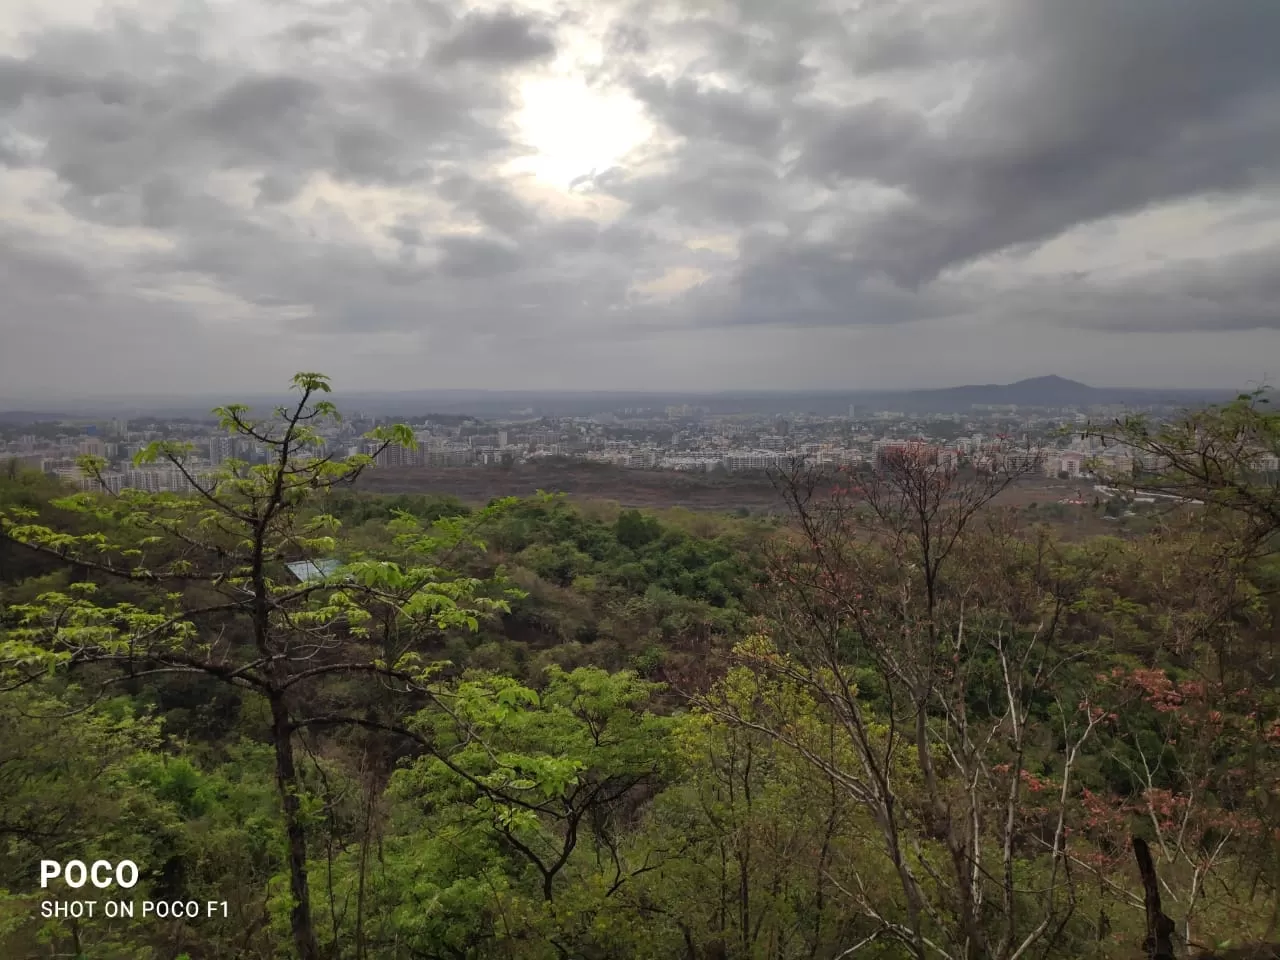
pixel 573 129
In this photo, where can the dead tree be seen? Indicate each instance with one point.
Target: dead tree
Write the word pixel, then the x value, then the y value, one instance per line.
pixel 1158 944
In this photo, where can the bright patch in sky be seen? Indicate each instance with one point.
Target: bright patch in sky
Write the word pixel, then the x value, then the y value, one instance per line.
pixel 672 283
pixel 573 130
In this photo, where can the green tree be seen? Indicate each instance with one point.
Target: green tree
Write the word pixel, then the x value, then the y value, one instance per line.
pixel 548 779
pixel 634 530
pixel 224 605
pixel 1216 456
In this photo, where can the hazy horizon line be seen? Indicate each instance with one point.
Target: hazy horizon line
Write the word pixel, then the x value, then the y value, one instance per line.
pixel 10 405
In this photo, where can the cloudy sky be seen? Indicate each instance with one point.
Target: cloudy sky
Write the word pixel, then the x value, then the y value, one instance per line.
pixel 665 194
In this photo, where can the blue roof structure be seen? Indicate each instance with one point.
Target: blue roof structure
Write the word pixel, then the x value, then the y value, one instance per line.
pixel 307 570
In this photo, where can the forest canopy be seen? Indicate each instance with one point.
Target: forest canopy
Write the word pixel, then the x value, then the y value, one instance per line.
pixel 905 722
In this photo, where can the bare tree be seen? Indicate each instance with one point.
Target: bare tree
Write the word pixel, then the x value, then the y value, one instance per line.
pixel 907 581
pixel 1158 944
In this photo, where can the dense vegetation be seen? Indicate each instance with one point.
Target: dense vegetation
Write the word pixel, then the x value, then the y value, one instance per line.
pixel 904 723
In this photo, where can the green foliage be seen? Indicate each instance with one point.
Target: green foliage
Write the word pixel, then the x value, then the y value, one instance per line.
pixel 634 530
pixel 539 730
pixel 354 509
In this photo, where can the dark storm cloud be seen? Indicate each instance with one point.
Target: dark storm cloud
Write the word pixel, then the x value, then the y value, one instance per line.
pixel 407 233
pixel 349 166
pixel 801 282
pixel 1064 113
pixel 492 203
pixel 504 38
pixel 572 235
pixel 1108 108
pixel 876 141
pixel 262 111
pixel 473 257
pixel 309 32
pixel 711 192
pixel 108 120
pixel 133 129
pixel 1240 293
pixel 698 113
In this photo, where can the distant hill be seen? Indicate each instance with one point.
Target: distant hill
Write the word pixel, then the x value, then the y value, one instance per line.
pixel 29 416
pixel 1042 392
pixel 1050 391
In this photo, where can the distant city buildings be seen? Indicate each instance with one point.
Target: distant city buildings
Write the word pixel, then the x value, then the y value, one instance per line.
pixel 677 438
pixel 750 460
pixel 165 479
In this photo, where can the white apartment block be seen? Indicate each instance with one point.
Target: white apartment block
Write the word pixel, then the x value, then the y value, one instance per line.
pixel 750 460
pixel 1017 460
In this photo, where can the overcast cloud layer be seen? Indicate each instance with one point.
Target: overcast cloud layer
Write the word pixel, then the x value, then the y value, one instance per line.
pixel 686 194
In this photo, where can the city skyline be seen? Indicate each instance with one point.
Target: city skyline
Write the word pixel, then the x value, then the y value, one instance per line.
pixel 676 439
pixel 201 199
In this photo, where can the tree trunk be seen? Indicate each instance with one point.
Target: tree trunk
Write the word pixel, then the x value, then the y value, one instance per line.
pixel 304 934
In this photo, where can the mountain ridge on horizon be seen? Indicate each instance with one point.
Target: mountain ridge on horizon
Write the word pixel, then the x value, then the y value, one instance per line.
pixel 1045 380
pixel 1050 390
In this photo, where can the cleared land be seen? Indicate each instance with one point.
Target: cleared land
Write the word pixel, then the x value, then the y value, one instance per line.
pixel 631 488
pixel 636 488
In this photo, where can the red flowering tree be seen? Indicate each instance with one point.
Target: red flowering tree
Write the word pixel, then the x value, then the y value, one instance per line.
pixel 1195 767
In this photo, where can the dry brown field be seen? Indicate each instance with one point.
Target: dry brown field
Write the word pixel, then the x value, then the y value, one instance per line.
pixel 638 488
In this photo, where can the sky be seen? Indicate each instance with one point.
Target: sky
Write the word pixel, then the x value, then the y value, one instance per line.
pixel 637 194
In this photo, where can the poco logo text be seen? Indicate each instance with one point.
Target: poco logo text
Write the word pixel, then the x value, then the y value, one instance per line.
pixel 101 873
